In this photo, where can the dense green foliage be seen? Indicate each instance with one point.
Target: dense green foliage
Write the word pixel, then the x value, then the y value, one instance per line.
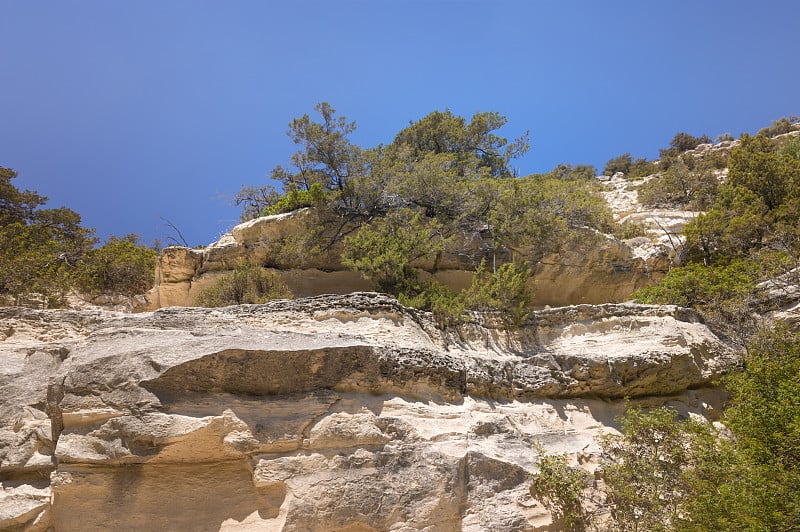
pixel 749 233
pixel 247 284
pixel 48 252
pixel 385 250
pixel 443 186
pixel 650 469
pixel 41 248
pixel 682 142
pixel 632 168
pixel 780 126
pixel 120 266
pixel 560 487
pixel 664 473
pixel 690 186
pixel 755 475
pixel 506 293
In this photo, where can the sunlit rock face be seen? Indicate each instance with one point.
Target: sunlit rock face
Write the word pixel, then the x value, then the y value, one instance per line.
pixel 597 269
pixel 327 413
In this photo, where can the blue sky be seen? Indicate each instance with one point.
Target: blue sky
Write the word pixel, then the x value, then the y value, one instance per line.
pixel 131 111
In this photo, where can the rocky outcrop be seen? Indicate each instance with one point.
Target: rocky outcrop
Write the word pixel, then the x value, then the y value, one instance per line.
pixel 602 269
pixel 661 246
pixel 327 413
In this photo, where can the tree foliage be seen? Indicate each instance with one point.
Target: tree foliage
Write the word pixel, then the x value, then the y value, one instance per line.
pixel 120 266
pixel 48 251
pixel 471 144
pixel 681 186
pixel 536 215
pixel 385 250
pixel 632 168
pixel 650 469
pixel 445 184
pixel 682 142
pixel 560 487
pixel 780 126
pixel 40 249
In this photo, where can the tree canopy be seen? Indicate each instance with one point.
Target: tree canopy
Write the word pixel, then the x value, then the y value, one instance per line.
pixel 445 184
pixel 49 252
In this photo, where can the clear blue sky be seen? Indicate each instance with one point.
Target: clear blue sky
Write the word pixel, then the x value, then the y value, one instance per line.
pixel 128 111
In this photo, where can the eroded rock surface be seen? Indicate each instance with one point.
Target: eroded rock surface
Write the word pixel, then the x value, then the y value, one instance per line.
pixel 602 269
pixel 327 413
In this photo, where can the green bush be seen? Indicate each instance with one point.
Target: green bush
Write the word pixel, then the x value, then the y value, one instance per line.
pixel 682 142
pixel 297 199
pixel 779 127
pixel 632 168
pixel 447 307
pixel 120 266
pixel 560 488
pixel 384 250
pixel 681 187
pixel 247 284
pixel 650 469
pixel 509 290
pixel 40 249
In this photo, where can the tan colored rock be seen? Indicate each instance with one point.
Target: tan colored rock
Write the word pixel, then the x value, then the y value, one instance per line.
pixel 25 506
pixel 615 273
pixel 271 228
pixel 313 282
pixel 338 412
pixel 178 264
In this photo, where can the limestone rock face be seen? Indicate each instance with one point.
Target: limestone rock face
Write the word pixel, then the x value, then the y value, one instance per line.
pixel 607 269
pixel 327 413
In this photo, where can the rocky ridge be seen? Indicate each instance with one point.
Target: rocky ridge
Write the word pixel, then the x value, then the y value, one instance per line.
pixel 327 413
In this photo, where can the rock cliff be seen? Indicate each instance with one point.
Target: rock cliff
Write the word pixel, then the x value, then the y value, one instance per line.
pixel 347 413
pixel 602 269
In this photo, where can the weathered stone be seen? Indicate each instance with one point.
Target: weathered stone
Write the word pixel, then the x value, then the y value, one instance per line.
pixel 336 412
pixel 178 264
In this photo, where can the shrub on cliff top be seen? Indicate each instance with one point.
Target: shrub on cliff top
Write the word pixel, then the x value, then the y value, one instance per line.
pixel 246 284
pixel 120 266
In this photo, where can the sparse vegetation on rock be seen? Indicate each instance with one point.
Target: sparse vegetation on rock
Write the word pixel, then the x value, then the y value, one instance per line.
pixel 247 284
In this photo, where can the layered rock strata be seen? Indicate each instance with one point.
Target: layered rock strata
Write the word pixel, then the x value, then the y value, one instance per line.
pixel 602 269
pixel 327 413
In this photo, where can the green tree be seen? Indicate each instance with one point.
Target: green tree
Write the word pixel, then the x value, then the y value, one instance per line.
pixel 384 251
pixel 764 416
pixel 40 249
pixel 537 215
pixel 120 266
pixel 780 126
pixel 441 132
pixel 509 291
pixel 751 480
pixel 758 165
pixel 736 224
pixel 326 156
pixel 632 168
pixel 650 469
pixel 578 172
pixel 682 187
pixel 560 488
pixel 682 142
